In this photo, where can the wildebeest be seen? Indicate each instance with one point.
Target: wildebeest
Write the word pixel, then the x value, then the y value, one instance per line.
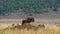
pixel 41 26
pixel 28 20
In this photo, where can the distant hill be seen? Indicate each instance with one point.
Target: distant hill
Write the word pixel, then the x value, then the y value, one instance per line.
pixel 28 6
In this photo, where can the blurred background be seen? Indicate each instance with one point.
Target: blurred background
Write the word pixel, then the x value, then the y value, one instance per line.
pixel 16 9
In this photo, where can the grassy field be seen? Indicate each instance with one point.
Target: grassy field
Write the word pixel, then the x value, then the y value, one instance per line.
pixel 6 28
pixel 49 29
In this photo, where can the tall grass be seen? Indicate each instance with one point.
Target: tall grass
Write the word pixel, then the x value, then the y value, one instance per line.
pixel 47 30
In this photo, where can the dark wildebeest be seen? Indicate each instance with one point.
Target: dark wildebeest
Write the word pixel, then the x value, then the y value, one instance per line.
pixel 28 20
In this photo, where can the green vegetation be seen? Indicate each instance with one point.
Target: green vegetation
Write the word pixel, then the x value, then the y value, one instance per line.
pixel 28 6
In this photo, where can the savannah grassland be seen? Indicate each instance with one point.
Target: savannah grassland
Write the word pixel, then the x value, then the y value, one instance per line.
pixel 49 29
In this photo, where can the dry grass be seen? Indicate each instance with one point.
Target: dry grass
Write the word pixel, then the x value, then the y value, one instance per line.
pixel 49 29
